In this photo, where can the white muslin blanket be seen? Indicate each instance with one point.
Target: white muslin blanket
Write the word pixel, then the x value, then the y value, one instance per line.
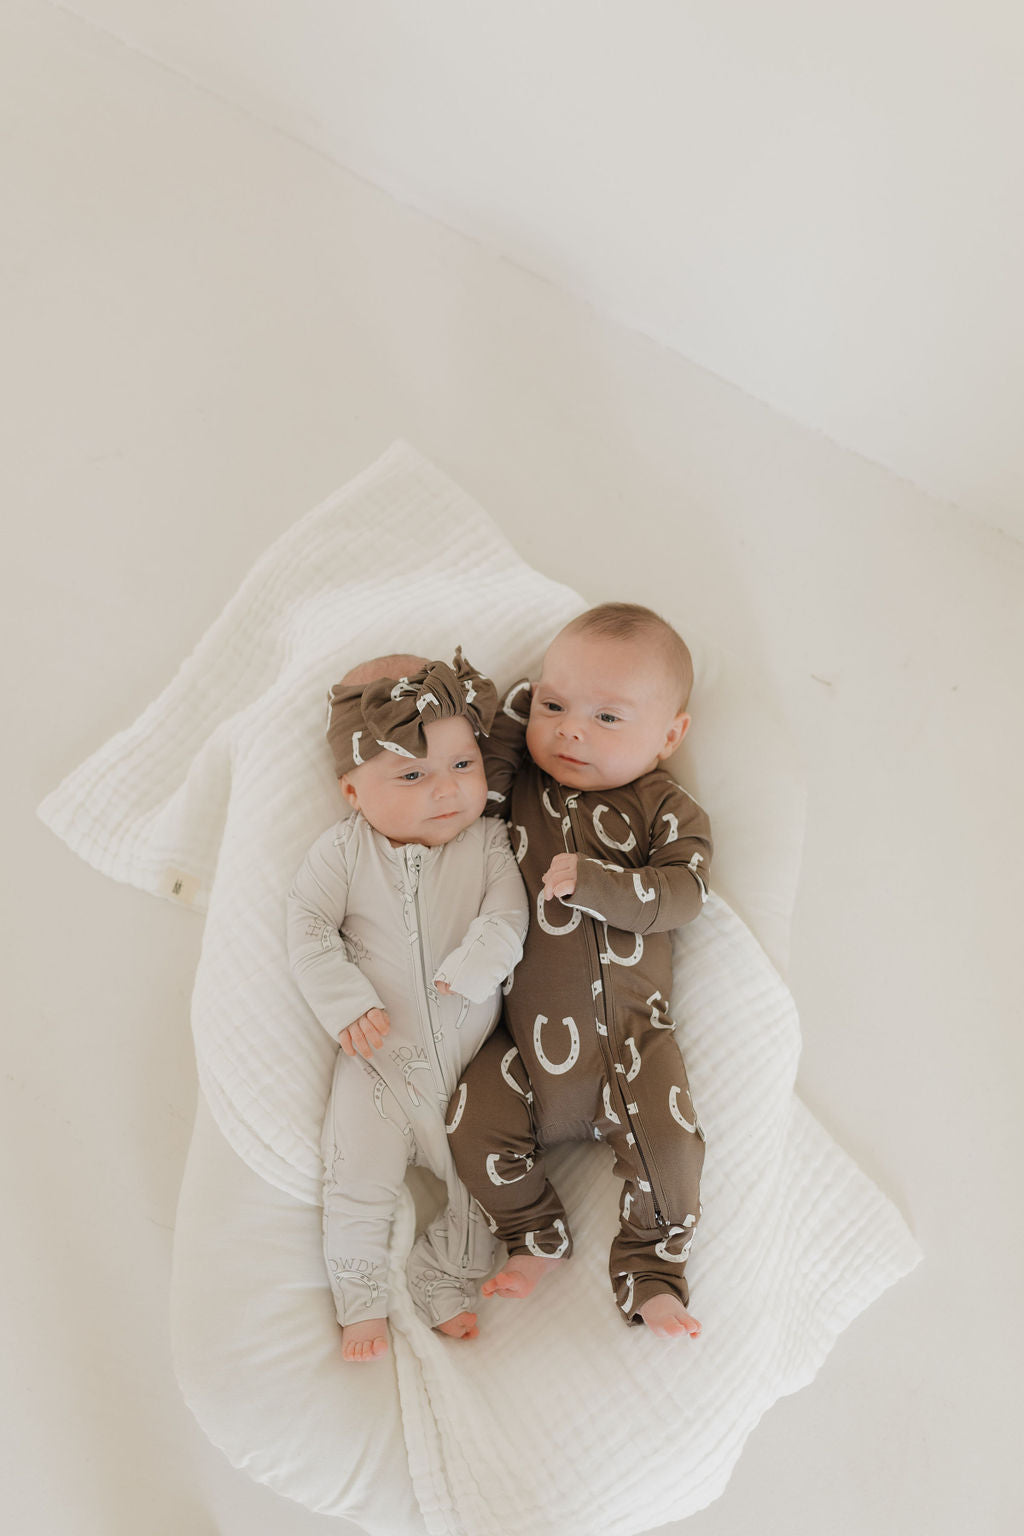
pixel 559 1418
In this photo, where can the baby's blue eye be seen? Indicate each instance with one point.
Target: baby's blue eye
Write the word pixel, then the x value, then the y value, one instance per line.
pixel 606 718
pixel 464 762
pixel 411 776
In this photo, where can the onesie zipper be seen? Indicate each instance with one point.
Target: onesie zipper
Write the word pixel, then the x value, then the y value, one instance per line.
pixel 413 864
pixel 570 824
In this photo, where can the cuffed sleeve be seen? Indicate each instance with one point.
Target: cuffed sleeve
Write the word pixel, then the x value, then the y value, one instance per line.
pixel 493 944
pixel 669 890
pixel 335 989
pixel 503 750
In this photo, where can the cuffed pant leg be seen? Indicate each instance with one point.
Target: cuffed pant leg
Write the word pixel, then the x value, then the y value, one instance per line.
pixel 660 1204
pixel 366 1148
pixel 494 1142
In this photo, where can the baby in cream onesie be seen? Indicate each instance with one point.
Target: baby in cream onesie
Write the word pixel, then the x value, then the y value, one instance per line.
pixel 403 922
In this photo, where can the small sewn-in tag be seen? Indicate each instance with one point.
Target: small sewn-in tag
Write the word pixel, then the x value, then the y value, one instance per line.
pixel 179 886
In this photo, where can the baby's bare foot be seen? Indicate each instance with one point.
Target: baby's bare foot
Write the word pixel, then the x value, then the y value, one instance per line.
pixel 666 1316
pixel 519 1276
pixel 462 1326
pixel 365 1341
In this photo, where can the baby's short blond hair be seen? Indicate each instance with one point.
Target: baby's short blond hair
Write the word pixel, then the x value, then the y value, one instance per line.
pixel 631 621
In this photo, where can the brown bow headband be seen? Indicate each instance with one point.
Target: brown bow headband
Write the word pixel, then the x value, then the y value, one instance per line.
pixel 389 715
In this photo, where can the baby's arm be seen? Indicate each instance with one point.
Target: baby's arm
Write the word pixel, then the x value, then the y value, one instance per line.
pixel 337 991
pixel 670 889
pixel 504 749
pixel 493 944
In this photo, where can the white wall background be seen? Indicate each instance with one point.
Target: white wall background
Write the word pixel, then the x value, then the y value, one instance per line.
pixel 822 203
pixel 206 329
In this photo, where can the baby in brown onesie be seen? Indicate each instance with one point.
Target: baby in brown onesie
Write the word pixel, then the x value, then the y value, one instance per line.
pixel 614 855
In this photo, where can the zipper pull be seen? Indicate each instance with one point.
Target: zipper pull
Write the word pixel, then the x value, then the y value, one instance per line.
pixel 570 805
pixel 412 864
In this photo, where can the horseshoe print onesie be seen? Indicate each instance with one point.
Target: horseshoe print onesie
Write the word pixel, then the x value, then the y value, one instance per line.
pixel 587 1051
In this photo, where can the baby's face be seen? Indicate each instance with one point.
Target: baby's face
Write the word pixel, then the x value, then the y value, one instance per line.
pixel 426 800
pixel 603 713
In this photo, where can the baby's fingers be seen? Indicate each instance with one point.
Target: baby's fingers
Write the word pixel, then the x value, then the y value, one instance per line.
pixel 366 1035
pixel 374 1025
pixel 377 1019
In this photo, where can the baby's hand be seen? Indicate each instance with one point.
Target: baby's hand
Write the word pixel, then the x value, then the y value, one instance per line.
pixel 560 879
pixel 366 1035
pixel 442 986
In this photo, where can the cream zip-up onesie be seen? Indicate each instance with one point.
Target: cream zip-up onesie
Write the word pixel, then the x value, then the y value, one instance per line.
pixel 373 926
pixel 589 1051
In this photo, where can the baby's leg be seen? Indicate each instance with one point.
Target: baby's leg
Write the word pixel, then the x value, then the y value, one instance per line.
pixel 493 1140
pixel 450 1258
pixel 366 1150
pixel 660 1162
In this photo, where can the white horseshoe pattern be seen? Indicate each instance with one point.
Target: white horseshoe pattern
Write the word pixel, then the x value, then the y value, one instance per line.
pixel 425 699
pixel 609 957
pixel 556 1069
pixel 610 842
pixel 453 1124
pixel 574 921
pixel 407 1071
pixel 513 714
pixel 627 1305
pixel 506 1062
pixel 654 1002
pixel 371 1286
pixel 641 891
pixel 357 757
pixel 563 1246
pixel 664 1252
pixel 607 1097
pixel 673 827
pixel 392 746
pixel 495 1178
pixel 677 1115
pixel 522 843
pixel 635 1064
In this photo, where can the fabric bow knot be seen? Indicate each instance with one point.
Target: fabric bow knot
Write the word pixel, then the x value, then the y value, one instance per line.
pixel 390 714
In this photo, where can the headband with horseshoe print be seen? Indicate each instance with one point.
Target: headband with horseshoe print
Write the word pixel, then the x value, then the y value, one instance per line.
pixel 389 714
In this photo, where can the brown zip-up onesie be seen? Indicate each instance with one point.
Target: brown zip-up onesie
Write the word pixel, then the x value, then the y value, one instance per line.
pixel 587 1051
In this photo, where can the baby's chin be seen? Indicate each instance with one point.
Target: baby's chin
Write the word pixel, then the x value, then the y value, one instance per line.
pixel 570 776
pixel 436 834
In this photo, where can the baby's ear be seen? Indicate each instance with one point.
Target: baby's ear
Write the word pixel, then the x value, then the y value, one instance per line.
pixel 348 791
pixel 676 731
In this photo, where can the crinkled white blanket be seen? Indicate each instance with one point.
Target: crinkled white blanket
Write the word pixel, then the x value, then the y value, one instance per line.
pixel 559 1419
